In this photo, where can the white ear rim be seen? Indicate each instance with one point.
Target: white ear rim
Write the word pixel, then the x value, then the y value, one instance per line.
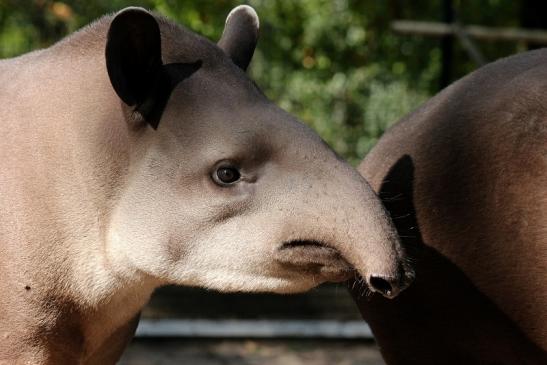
pixel 249 11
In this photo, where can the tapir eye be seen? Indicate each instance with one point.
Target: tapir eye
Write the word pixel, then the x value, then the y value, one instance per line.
pixel 225 175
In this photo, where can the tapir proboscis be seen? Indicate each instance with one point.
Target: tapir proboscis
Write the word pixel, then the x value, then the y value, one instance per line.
pixel 136 154
pixel 465 180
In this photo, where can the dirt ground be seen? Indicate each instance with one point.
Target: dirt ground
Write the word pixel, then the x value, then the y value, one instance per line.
pixel 250 352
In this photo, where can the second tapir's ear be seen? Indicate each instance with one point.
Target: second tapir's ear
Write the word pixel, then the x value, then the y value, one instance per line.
pixel 240 35
pixel 135 67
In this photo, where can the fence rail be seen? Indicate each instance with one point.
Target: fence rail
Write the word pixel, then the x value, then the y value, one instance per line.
pixel 435 29
pixel 204 328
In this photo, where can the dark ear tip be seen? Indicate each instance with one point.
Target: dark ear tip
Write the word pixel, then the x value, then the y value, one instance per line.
pixel 134 23
pixel 132 16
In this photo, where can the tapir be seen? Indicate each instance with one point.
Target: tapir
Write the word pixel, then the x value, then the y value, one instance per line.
pixel 136 154
pixel 464 178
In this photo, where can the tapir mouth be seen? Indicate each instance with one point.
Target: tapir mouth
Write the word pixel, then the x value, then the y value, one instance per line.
pixel 315 258
pixel 303 243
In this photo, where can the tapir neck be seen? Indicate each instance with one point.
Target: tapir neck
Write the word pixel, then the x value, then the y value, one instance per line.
pixel 64 161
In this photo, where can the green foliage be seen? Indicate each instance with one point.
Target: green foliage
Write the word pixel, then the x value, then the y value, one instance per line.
pixel 334 63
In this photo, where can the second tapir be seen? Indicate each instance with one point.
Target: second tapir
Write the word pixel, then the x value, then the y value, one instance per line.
pixel 136 154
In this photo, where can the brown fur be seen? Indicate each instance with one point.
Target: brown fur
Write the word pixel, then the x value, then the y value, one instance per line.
pixel 465 180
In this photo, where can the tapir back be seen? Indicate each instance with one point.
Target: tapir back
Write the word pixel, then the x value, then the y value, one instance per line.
pixel 465 179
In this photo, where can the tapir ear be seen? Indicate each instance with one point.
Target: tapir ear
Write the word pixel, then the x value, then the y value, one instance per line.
pixel 240 35
pixel 133 54
pixel 135 67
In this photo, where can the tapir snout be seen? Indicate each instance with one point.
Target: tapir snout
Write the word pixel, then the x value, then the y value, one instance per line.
pixel 338 229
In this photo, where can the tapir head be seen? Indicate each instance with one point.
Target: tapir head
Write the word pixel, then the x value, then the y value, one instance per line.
pixel 224 189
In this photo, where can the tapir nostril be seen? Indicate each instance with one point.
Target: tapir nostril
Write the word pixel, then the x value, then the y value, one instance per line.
pixel 381 286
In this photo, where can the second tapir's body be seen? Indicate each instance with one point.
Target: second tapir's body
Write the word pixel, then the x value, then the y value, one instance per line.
pixel 192 178
pixel 465 179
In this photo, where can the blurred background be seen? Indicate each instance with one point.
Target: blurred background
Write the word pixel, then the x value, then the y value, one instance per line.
pixel 349 69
